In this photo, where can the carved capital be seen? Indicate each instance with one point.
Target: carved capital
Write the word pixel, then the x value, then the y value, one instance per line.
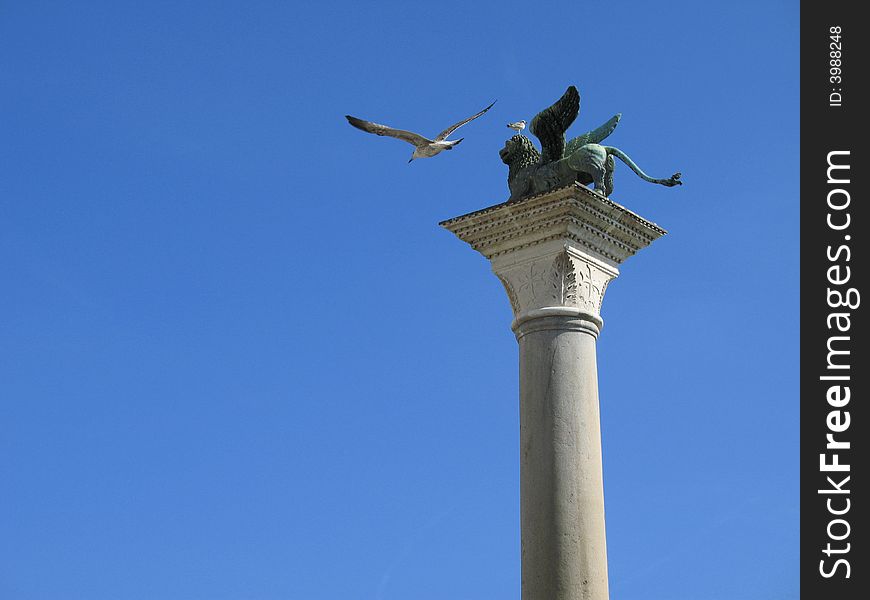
pixel 563 281
pixel 556 253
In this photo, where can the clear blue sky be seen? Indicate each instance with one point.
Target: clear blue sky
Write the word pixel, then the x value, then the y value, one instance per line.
pixel 239 359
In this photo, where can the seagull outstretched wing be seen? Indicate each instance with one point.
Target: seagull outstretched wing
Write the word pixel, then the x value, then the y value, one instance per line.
pixel 412 138
pixel 443 135
pixel 550 125
pixel 596 136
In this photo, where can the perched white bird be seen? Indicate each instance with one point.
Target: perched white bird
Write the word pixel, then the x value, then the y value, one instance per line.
pixel 518 126
pixel 423 147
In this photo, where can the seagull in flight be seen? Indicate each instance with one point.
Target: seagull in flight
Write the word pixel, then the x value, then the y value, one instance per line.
pixel 423 147
pixel 518 126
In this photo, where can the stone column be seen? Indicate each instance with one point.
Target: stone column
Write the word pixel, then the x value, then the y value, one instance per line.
pixel 555 255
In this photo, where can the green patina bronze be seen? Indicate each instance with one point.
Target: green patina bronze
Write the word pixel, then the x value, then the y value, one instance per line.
pixel 582 159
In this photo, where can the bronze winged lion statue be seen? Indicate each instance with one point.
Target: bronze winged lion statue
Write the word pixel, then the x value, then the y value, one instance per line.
pixel 582 159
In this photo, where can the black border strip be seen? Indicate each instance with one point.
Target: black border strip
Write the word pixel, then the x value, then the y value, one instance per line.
pixel 835 370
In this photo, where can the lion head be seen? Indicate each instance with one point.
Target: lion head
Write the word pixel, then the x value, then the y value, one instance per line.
pixel 518 153
pixel 522 158
pixel 519 149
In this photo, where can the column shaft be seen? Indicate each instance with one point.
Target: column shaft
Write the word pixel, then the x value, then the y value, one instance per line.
pixel 564 554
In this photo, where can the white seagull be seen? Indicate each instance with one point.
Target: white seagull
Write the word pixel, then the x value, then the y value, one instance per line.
pixel 518 126
pixel 423 147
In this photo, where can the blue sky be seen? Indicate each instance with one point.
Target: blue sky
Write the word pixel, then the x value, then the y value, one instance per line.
pixel 240 360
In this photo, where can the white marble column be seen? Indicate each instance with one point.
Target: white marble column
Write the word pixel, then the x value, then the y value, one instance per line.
pixel 555 255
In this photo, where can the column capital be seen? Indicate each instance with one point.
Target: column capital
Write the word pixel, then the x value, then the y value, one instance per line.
pixel 555 253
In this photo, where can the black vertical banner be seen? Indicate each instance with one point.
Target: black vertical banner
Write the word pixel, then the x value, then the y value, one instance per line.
pixel 835 368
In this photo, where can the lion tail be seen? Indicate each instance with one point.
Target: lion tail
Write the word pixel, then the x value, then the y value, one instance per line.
pixel 670 182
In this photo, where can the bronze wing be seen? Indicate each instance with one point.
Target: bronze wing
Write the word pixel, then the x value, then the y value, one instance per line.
pixel 596 136
pixel 550 125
